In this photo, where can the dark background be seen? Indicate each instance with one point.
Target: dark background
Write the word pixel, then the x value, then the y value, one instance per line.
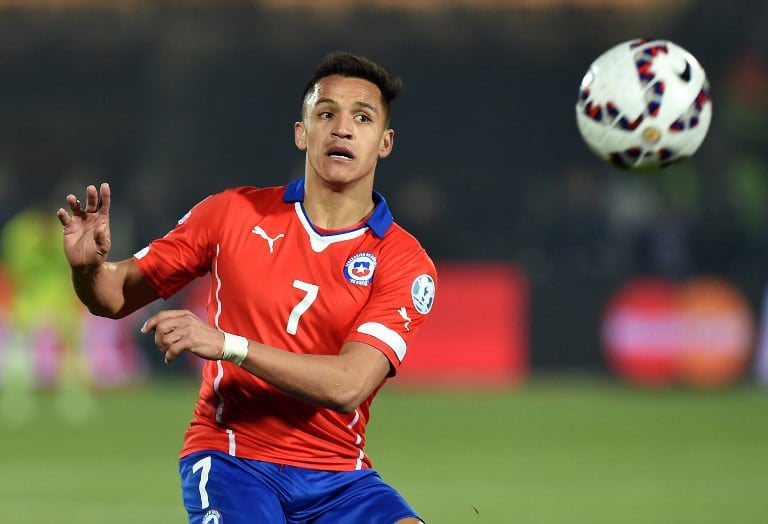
pixel 172 101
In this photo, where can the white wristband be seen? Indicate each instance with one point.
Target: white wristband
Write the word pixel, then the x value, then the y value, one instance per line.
pixel 235 348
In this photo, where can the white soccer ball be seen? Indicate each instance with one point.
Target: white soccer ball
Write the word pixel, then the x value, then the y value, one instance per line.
pixel 644 105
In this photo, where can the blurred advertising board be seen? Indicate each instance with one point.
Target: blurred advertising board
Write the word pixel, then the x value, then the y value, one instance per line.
pixel 477 332
pixel 699 332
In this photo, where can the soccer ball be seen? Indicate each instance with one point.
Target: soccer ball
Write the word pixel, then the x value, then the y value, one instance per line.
pixel 644 105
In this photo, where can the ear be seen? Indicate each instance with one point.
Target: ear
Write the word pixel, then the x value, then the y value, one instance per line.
pixel 300 136
pixel 387 141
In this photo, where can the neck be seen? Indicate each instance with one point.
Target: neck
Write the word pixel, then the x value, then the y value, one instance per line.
pixel 332 208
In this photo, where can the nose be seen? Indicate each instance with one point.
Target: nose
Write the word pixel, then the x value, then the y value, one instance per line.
pixel 343 127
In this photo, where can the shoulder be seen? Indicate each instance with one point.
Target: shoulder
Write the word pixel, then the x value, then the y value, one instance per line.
pixel 405 270
pixel 253 193
pixel 398 238
pixel 217 208
pixel 399 247
pixel 246 196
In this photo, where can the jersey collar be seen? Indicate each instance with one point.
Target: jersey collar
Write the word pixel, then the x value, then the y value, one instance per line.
pixel 379 221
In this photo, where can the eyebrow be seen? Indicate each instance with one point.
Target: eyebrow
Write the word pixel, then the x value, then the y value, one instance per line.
pixel 334 103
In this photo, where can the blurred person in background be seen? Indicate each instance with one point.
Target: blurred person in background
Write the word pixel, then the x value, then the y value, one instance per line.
pixel 42 346
pixel 314 296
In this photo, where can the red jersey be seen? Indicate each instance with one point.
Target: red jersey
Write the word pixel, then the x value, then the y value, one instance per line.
pixel 277 279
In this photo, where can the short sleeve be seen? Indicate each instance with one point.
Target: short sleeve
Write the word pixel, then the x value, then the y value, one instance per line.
pixel 187 251
pixel 404 291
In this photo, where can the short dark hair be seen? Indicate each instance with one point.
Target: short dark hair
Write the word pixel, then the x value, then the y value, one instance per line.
pixel 356 66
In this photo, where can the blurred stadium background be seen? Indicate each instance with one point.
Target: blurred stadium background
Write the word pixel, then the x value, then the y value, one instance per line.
pixel 597 352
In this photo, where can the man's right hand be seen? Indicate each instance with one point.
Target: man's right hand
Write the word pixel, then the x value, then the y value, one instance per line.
pixel 87 238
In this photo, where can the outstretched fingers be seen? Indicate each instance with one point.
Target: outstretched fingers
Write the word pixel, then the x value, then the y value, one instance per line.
pixel 91 199
pixel 74 204
pixel 96 201
pixel 63 216
pixel 74 208
pixel 105 194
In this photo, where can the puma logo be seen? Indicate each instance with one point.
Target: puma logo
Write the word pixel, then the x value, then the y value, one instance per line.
pixel 270 240
pixel 403 313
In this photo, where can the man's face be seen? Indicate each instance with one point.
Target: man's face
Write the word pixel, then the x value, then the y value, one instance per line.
pixel 344 129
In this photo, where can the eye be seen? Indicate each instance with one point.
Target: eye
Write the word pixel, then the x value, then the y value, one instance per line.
pixel 363 118
pixel 325 115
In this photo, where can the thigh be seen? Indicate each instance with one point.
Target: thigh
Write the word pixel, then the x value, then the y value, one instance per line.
pixel 218 488
pixel 360 496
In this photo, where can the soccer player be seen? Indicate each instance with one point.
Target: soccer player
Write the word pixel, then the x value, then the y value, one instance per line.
pixel 315 295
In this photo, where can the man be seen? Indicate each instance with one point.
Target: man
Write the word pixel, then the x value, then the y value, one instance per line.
pixel 315 295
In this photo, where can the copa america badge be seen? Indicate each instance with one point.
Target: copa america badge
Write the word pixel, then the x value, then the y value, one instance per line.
pixel 359 268
pixel 423 293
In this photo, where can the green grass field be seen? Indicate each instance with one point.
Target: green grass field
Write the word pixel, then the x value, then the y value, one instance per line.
pixel 553 451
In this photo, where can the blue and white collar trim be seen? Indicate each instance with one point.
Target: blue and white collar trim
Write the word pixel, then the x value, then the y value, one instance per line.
pixel 379 221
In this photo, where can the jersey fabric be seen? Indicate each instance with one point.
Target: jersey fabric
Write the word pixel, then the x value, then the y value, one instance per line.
pixel 277 494
pixel 276 279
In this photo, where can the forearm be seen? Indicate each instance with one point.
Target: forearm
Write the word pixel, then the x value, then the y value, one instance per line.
pixel 332 381
pixel 100 288
pixel 339 382
pixel 111 289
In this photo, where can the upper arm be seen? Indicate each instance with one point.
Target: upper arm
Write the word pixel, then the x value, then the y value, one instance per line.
pixel 369 365
pixel 114 290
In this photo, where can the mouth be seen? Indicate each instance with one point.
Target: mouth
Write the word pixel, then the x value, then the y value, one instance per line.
pixel 341 153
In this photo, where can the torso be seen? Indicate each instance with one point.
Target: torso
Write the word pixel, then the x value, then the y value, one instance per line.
pixel 277 280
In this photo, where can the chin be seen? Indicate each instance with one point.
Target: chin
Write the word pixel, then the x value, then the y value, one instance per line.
pixel 335 177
